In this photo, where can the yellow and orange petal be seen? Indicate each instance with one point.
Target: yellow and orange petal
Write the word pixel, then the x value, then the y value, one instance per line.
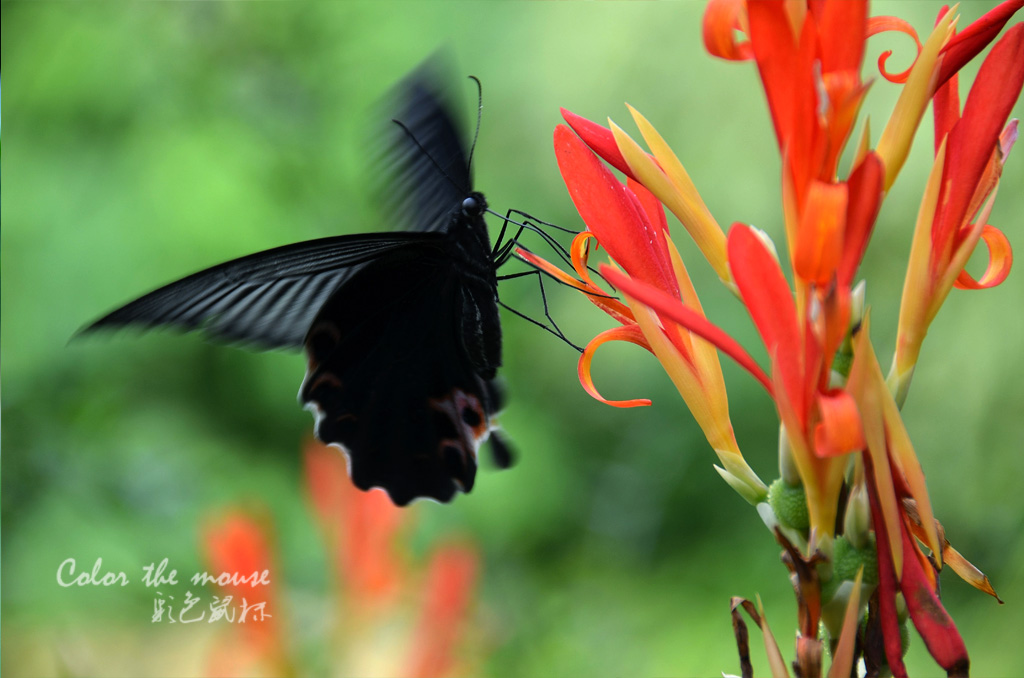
pixel 629 333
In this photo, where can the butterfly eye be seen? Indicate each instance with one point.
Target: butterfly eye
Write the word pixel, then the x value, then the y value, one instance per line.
pixel 471 207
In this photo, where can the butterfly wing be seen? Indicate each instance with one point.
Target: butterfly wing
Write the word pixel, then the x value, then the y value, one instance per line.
pixel 429 173
pixel 267 299
pixel 390 382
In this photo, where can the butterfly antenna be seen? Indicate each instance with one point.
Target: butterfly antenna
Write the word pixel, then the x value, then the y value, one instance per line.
pixel 533 219
pixel 479 118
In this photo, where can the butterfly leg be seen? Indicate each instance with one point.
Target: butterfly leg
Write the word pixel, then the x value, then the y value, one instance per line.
pixel 503 250
pixel 501 452
pixel 540 283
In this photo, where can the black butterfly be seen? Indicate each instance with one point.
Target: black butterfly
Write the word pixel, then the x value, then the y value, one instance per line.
pixel 401 329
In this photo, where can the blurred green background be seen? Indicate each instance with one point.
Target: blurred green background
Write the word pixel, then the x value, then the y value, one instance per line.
pixel 146 141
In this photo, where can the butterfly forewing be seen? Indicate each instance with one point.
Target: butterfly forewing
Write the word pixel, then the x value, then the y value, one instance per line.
pixel 267 299
pixel 427 171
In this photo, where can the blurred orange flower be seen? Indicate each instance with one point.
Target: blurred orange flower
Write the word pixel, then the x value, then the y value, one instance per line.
pixel 378 588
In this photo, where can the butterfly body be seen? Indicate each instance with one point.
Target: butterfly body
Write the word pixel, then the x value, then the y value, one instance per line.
pixel 401 330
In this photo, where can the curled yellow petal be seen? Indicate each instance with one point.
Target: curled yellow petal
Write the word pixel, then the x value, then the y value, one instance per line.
pixel 580 253
pixel 894 144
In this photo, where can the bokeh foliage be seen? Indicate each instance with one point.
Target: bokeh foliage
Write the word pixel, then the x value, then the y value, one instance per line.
pixel 146 141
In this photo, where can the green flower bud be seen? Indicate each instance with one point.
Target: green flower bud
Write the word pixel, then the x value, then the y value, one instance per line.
pixel 787 465
pixel 857 522
pixel 789 503
pixel 847 559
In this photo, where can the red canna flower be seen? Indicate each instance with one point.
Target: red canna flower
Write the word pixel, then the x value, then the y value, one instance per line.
pixel 840 419
pixel 630 223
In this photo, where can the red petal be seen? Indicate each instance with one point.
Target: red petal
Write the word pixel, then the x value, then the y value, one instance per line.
pixel 359 527
pixel 774 46
pixel 672 309
pixel 449 587
pixel 819 239
pixel 973 138
pixel 969 42
pixel 946 109
pixel 880 24
pixel 599 139
pixel 946 102
pixel 327 482
pixel 839 431
pixel 842 29
pixel 865 198
pixel 930 619
pixel 786 64
pixel 239 543
pixel 770 303
pixel 722 18
pixel 613 213
pixel 887 584
pixel 653 208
